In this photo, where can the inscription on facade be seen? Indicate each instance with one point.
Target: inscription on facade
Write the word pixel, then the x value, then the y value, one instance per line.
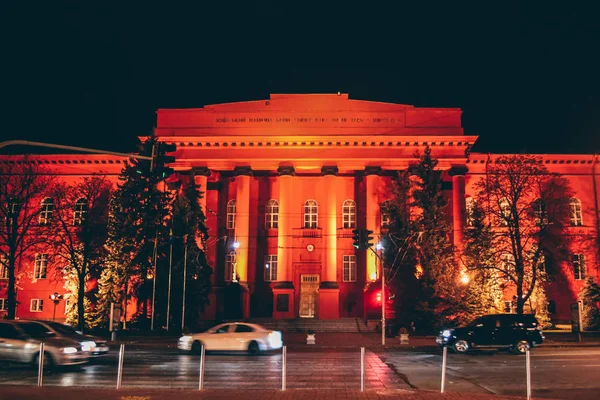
pixel 374 120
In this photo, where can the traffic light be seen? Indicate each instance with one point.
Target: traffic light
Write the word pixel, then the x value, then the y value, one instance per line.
pixel 161 159
pixel 357 240
pixel 367 239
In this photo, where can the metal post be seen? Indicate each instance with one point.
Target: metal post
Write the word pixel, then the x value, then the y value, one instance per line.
pixel 170 270
pixel 580 319
pixel 184 282
pixel 444 355
pixel 41 366
pixel 201 378
pixel 528 370
pixel 382 302
pixel 54 312
pixel 283 367
pixel 120 370
pixel 154 281
pixel 362 369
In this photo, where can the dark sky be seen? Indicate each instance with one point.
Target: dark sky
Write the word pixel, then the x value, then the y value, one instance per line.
pixel 92 73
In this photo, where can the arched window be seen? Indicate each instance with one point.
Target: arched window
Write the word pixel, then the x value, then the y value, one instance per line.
pixel 576 216
pixel 272 214
pixel 349 214
pixel 311 214
pixel 386 215
pixel 46 211
pixel 540 212
pixel 504 206
pixel 80 211
pixel 469 208
pixel 231 214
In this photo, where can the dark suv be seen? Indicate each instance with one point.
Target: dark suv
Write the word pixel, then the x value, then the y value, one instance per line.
pixel 500 331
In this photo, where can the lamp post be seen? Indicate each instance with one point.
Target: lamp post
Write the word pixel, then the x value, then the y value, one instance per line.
pixel 56 298
pixel 379 248
pixel 236 245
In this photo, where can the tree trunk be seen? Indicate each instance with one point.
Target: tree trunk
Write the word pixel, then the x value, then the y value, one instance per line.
pixel 12 296
pixel 80 302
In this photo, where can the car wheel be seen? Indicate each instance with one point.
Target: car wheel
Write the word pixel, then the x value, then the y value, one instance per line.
pixel 253 348
pixel 461 346
pixel 521 347
pixel 48 361
pixel 196 347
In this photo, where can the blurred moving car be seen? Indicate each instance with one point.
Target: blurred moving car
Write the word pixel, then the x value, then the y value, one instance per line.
pixel 514 332
pixel 20 342
pixel 239 336
pixel 95 346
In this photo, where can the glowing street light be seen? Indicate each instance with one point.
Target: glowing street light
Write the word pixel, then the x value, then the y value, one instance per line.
pixel 236 245
pixel 464 278
pixel 56 298
pixel 379 246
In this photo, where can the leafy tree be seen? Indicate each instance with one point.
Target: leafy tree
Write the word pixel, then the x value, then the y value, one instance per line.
pixel 137 228
pixel 23 185
pixel 590 296
pixel 528 208
pixel 484 291
pixel 78 235
pixel 111 286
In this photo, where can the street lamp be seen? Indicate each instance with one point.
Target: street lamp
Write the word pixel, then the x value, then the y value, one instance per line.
pixel 236 245
pixel 56 298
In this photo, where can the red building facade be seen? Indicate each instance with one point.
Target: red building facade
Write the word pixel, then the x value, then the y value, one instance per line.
pixel 286 180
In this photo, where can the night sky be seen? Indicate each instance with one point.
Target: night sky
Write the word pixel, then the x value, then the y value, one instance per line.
pixel 92 73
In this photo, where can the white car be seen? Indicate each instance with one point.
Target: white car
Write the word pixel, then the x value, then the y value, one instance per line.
pixel 233 336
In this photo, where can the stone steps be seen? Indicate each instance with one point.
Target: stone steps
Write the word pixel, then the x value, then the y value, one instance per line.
pixel 348 325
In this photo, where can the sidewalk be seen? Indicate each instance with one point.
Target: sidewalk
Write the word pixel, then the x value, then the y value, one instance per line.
pixel 62 393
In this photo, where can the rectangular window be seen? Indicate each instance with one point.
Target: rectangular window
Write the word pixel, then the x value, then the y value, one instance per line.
pixel 3 267
pixel 350 268
pixel 271 267
pixel 3 304
pixel 40 267
pixel 508 306
pixel 229 262
pixel 36 305
pixel 578 261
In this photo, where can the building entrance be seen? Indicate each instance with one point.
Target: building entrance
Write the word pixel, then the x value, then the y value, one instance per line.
pixel 309 292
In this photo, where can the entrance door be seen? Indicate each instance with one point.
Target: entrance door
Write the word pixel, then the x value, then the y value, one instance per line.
pixel 309 290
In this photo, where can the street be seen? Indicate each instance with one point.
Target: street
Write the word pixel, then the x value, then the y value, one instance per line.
pixel 560 373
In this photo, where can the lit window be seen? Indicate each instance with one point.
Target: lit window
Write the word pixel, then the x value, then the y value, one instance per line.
pixel 350 268
pixel 80 211
pixel 386 213
pixel 12 210
pixel 578 261
pixel 540 212
pixel 349 214
pixel 229 263
pixel 46 211
pixel 272 214
pixel 508 305
pixel 36 305
pixel 3 267
pixel 3 304
pixel 231 214
pixel 504 206
pixel 311 214
pixel 469 208
pixel 507 265
pixel 271 267
pixel 575 214
pixel 40 266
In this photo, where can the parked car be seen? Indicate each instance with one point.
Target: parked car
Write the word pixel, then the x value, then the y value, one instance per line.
pixel 95 346
pixel 501 331
pixel 238 336
pixel 20 342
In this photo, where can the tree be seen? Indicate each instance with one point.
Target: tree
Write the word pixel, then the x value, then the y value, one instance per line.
pixel 528 208
pixel 79 233
pixel 23 185
pixel 484 291
pixel 137 230
pixel 590 296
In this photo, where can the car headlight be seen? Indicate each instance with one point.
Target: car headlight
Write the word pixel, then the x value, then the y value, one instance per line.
pixel 185 338
pixel 88 346
pixel 69 350
pixel 447 333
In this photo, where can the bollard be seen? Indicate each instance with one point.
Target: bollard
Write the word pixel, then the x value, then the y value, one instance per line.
pixel 528 370
pixel 120 370
pixel 362 369
pixel 283 367
pixel 444 355
pixel 41 366
pixel 201 378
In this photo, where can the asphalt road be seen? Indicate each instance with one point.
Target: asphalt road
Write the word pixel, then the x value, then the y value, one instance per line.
pixel 168 368
pixel 559 373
